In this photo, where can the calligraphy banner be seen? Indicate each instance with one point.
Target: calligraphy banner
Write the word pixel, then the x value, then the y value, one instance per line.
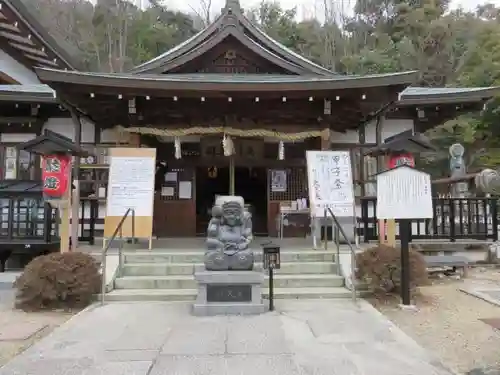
pixel 330 183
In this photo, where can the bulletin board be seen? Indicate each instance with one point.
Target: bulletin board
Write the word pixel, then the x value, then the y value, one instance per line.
pixel 130 185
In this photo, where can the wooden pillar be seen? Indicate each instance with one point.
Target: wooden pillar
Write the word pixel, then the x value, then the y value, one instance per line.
pixel 387 228
pixel 326 141
pixel 134 140
pixel 231 175
pixel 362 141
pixel 74 195
pixel 64 210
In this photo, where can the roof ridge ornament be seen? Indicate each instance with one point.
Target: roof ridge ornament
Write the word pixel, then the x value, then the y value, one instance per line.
pixel 232 6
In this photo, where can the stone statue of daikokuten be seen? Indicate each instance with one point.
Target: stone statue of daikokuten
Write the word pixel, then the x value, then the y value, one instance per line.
pixel 229 235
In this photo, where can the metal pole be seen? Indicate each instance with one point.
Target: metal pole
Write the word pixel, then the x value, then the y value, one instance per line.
pixel 133 226
pixel 103 275
pixel 353 276
pixel 325 229
pixel 404 228
pixel 271 288
pixel 120 250
pixel 337 244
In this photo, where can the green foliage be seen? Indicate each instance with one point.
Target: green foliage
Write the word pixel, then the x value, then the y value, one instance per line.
pixel 58 281
pixel 448 48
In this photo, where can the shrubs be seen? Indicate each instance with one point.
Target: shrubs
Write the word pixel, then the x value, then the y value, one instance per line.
pixel 58 281
pixel 380 268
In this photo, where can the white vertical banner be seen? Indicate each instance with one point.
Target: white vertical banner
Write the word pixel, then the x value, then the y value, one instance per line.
pixel 329 175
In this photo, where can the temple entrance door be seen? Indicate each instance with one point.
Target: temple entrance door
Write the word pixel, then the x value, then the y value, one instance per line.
pixel 210 182
pixel 251 184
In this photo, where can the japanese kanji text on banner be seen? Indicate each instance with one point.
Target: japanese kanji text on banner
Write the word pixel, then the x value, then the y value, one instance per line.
pixel 330 182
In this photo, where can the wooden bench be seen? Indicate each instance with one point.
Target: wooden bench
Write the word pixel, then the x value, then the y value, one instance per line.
pixel 447 261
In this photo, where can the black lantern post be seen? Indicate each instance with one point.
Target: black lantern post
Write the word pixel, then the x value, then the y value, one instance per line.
pixel 272 261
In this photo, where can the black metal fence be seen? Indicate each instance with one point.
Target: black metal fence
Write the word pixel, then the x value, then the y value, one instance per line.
pixel 453 219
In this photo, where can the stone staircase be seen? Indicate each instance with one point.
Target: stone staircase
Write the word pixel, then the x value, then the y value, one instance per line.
pixel 167 275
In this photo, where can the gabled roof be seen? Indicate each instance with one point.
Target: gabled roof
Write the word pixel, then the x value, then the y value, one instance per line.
pixel 27 40
pixel 232 22
pixel 407 141
pixel 52 143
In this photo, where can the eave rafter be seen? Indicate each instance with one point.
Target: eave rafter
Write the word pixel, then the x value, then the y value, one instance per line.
pixel 26 40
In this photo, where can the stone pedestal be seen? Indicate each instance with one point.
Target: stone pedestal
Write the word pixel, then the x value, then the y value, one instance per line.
pixel 228 293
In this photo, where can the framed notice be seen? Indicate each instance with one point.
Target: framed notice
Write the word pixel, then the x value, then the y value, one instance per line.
pixel 131 186
pixel 404 193
pixel 329 175
pixel 278 181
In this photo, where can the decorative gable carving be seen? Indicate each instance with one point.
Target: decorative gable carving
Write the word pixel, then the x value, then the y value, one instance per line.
pixel 231 57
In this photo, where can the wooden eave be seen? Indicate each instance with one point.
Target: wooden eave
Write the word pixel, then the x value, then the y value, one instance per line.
pixel 27 94
pixel 243 30
pixel 414 96
pixel 22 36
pixel 226 83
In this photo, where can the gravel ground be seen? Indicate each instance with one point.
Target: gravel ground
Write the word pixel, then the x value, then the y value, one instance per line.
pixel 19 330
pixel 447 323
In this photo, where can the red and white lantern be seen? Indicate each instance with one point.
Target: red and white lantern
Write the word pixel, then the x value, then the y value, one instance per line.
pixel 55 175
pixel 401 159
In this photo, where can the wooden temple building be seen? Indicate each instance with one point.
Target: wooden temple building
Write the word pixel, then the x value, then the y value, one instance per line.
pixel 225 110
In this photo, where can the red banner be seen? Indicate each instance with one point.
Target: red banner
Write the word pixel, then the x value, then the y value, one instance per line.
pixel 402 159
pixel 55 175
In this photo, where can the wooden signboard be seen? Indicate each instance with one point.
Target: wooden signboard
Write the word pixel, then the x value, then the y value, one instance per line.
pixel 131 185
pixel 404 193
pixel 330 184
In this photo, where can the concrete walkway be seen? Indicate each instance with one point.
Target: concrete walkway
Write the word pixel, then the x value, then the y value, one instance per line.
pixel 300 338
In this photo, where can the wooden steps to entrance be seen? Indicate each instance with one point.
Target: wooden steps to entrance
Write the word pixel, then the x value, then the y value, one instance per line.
pixel 168 275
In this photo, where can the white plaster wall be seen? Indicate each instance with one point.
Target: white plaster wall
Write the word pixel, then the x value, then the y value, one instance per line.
pixel 65 127
pixel 16 137
pixel 17 71
pixel 389 127
pixel 108 136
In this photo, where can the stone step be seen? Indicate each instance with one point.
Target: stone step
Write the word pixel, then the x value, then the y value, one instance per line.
pixel 156 256
pixel 188 281
pixel 167 269
pixel 190 294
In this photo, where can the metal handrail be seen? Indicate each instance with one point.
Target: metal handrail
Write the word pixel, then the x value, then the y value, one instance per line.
pixel 339 229
pixel 119 229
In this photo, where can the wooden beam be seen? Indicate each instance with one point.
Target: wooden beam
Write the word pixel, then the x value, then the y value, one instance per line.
pixel 8 79
pixel 16 38
pixel 42 61
pixel 7 26
pixel 33 51
pixel 17 120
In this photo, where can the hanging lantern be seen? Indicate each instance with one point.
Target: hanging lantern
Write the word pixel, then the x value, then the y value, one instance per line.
pixel 227 145
pixel 281 151
pixel 177 146
pixel 401 159
pixel 55 175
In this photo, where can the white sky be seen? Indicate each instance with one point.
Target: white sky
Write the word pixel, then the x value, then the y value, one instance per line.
pixel 305 8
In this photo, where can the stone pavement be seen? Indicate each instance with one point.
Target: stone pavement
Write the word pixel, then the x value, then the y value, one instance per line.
pixel 19 330
pixel 300 338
